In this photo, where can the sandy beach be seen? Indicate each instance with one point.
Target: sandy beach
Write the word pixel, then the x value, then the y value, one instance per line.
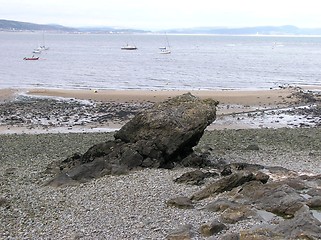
pixel 236 109
pixel 238 97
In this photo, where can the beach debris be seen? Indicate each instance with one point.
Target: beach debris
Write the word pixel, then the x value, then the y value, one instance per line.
pixel 159 137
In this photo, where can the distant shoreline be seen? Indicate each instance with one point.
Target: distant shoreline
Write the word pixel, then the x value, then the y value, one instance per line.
pixel 170 34
pixel 11 25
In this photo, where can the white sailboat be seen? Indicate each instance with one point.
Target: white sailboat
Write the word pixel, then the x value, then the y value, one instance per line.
pixel 166 49
pixel 129 47
pixel 44 47
pixel 41 48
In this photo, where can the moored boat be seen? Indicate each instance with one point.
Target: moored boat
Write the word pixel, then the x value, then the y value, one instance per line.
pixel 31 58
pixel 129 47
pixel 165 50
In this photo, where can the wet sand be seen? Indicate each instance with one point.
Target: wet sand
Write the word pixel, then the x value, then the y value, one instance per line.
pixel 235 110
pixel 239 97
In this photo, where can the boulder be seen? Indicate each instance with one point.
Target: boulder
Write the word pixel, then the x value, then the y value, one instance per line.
pixel 171 128
pixel 160 137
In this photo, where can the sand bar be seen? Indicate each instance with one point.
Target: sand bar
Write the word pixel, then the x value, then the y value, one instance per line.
pixel 237 109
pixel 240 97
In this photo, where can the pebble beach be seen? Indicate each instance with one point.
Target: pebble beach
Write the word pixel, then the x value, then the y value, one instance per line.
pixel 130 206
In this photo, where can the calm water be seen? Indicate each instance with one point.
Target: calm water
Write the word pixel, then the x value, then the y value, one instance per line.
pixel 197 62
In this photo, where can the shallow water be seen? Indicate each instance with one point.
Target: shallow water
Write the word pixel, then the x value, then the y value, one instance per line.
pixel 95 61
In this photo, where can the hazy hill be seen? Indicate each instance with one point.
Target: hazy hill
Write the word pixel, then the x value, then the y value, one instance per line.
pixel 110 30
pixel 8 25
pixel 262 30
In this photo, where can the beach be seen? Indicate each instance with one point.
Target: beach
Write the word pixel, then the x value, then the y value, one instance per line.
pixel 236 109
pixel 132 206
pixel 128 206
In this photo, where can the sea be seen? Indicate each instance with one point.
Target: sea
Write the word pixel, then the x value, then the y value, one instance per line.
pixel 196 62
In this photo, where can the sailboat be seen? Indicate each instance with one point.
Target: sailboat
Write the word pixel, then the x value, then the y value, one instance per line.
pixel 41 48
pixel 166 49
pixel 44 47
pixel 31 58
pixel 129 47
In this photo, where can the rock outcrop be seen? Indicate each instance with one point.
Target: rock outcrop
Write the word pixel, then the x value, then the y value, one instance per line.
pixel 160 137
pixel 285 204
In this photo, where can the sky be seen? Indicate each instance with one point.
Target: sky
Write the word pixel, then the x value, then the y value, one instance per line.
pixel 165 14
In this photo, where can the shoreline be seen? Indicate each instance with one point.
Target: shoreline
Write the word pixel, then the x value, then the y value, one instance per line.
pixel 245 97
pixel 237 109
pixel 67 211
pixel 254 97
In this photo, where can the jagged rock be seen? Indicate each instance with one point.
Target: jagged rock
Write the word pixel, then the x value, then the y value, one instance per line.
pixel 277 198
pixel 173 127
pixel 180 202
pixel 224 184
pixel 214 227
pixel 302 226
pixel 162 136
pixel 272 195
pixel 194 177
pixel 194 160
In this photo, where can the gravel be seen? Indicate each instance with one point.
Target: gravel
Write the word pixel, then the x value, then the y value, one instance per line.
pixel 129 206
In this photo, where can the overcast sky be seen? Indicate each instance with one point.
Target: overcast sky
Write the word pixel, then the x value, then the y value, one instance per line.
pixel 164 14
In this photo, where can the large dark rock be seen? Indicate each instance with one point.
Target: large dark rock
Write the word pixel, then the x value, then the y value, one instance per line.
pixel 162 136
pixel 171 128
